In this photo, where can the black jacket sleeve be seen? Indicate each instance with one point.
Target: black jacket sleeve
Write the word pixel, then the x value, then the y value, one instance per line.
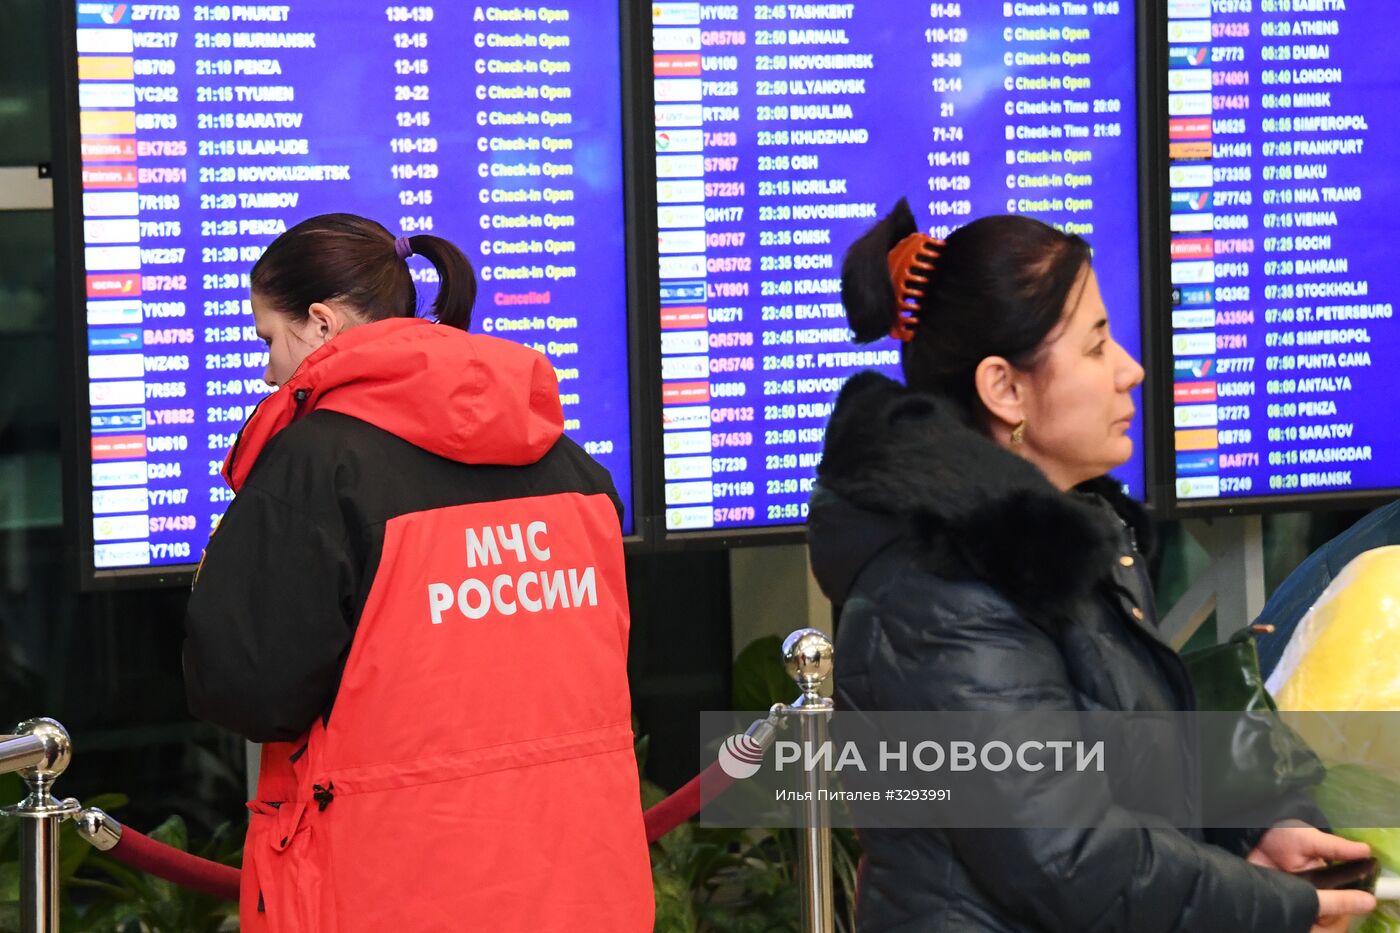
pixel 1118 870
pixel 270 619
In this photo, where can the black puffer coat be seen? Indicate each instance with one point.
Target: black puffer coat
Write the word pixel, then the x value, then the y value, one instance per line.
pixel 968 582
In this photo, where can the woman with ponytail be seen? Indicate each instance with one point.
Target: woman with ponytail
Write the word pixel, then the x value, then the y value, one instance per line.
pixel 985 561
pixel 416 601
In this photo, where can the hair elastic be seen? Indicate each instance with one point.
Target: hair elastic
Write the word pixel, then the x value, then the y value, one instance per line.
pixel 911 262
pixel 402 248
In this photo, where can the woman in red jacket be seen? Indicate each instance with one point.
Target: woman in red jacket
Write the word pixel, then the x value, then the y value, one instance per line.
pixel 417 602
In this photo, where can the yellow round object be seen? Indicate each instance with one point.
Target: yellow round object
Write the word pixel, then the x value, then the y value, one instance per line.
pixel 1346 652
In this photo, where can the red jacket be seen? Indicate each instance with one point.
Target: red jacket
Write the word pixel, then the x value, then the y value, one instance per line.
pixel 408 500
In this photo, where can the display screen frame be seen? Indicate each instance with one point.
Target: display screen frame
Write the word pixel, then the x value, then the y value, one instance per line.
pixel 1167 504
pixel 634 105
pixel 1150 95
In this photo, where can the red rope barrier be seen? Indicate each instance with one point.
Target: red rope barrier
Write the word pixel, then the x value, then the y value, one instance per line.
pixel 143 853
pixel 686 802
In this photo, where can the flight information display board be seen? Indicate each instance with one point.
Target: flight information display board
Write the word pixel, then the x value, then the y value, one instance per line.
pixel 207 129
pixel 1283 143
pixel 784 130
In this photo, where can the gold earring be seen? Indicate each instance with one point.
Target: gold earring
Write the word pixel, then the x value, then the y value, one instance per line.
pixel 1018 433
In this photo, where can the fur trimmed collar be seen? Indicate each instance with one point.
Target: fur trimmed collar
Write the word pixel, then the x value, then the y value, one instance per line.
pixel 902 464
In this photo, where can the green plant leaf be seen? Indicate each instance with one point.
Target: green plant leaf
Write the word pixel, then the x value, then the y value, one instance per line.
pixel 9 881
pixel 759 677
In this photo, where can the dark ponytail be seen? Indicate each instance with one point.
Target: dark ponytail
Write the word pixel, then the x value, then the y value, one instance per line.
pixel 866 289
pixel 344 257
pixel 999 287
pixel 456 279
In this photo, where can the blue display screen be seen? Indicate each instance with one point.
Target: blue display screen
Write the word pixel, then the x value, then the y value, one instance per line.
pixel 1282 120
pixel 207 129
pixel 784 130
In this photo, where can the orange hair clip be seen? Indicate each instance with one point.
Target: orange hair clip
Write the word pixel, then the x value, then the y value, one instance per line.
pixel 911 263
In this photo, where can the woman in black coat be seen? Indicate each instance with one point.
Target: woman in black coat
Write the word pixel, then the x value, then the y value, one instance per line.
pixel 984 561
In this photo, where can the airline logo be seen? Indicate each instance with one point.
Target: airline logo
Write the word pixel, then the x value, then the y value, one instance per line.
pixel 118 446
pixel 116 366
pixel 685 367
pixel 1193 319
pixel 1188 9
pixel 1193 344
pixel 680 140
pixel 108 176
pixel 681 267
pixel 104 41
pixel 1189 105
pixel 1192 223
pixel 1197 439
pixel 680 241
pixel 675 14
pixel 689 493
pixel 682 292
pixel 1195 416
pixel 102 94
pixel 672 90
pixel 680 215
pixel 112 501
pixel 112 258
pixel 685 393
pixel 106 14
pixel 670 115
pixel 680 166
pixel 119 527
pixel 691 518
pixel 109 150
pixel 1191 176
pixel 106 68
pixel 114 312
pixel 119 474
pixel 1190 151
pixel 677 342
pixel 107 122
pixel 1198 487
pixel 1184 79
pixel 685 417
pixel 112 230
pixel 1193 296
pixel 686 442
pixel 129 554
pixel 682 317
pixel 680 191
pixel 1197 248
pixel 681 65
pixel 110 204
pixel 1188 368
pixel 686 468
pixel 112 339
pixel 1199 463
pixel 1193 393
pixel 675 40
pixel 127 393
pixel 1193 273
pixel 118 420
pixel 1192 200
pixel 1187 56
pixel 1179 128
pixel 1189 32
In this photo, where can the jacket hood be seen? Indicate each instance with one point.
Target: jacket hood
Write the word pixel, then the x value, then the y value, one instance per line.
pixel 466 397
pixel 900 465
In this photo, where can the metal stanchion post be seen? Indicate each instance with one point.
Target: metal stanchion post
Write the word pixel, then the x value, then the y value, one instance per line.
pixel 40 815
pixel 807 654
